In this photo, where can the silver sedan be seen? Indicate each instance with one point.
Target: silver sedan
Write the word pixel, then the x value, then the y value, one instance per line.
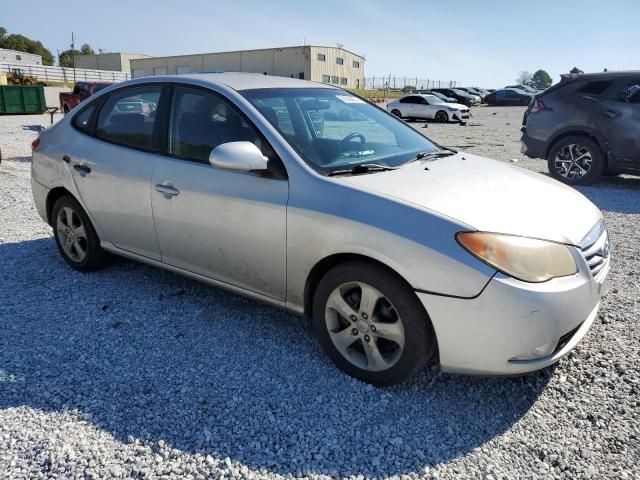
pixel 309 198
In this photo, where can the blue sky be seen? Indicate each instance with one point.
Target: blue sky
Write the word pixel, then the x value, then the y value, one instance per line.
pixel 475 42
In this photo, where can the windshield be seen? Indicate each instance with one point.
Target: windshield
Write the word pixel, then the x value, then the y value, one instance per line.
pixel 333 130
pixel 462 93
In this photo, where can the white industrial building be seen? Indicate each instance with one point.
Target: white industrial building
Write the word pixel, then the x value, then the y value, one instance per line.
pixel 19 58
pixel 114 62
pixel 333 65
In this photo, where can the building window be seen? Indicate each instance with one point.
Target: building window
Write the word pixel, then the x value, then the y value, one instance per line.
pixel 18 57
pixel 322 57
pixel 334 80
pixel 340 61
pixel 325 79
pixel 343 81
pixel 355 64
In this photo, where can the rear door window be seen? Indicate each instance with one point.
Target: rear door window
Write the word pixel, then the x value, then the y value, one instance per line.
pixel 81 121
pixel 128 117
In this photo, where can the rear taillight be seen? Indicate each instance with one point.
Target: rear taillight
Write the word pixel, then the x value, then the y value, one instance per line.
pixel 34 144
pixel 537 106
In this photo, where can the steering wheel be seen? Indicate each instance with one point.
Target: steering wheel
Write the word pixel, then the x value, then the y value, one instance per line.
pixel 353 135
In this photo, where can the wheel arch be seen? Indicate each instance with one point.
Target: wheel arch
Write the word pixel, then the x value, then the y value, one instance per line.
pixel 579 133
pixel 52 197
pixel 323 266
pixel 438 112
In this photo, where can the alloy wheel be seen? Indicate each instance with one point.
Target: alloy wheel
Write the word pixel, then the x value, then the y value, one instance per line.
pixel 573 161
pixel 364 326
pixel 72 234
pixel 441 117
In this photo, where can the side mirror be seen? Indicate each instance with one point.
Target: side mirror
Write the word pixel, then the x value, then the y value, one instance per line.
pixel 239 157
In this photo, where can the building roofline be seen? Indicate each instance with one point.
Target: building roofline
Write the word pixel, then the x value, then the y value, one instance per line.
pixel 254 50
pixel 20 51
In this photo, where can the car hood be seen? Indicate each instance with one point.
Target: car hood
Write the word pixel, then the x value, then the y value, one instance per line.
pixel 488 195
pixel 455 105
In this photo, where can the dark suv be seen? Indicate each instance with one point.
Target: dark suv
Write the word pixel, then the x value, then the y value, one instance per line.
pixel 586 125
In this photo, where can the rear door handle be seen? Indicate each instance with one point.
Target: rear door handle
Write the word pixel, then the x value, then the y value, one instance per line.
pixel 611 113
pixel 82 168
pixel 167 190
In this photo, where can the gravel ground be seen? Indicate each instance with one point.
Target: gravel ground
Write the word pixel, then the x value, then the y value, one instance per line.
pixel 132 372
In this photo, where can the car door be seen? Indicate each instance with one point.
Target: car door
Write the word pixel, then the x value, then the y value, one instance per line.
pixel 407 106
pixel 226 225
pixel 111 166
pixel 618 121
pixel 422 108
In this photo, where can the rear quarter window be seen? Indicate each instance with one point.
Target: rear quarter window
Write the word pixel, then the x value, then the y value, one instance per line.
pixel 596 87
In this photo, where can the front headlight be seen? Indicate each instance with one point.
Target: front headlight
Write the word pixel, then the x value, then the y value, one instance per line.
pixel 522 258
pixel 452 109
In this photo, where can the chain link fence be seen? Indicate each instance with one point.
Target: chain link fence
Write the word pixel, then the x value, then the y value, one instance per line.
pixel 65 75
pixel 393 82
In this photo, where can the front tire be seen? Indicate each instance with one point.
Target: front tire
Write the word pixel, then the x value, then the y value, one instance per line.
pixel 371 324
pixel 441 116
pixel 576 160
pixel 75 236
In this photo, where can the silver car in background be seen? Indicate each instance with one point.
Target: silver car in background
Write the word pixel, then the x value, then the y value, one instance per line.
pixel 428 107
pixel 307 197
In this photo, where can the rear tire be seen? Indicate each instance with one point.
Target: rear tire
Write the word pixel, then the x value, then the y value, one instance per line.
pixel 576 160
pixel 385 346
pixel 396 112
pixel 75 236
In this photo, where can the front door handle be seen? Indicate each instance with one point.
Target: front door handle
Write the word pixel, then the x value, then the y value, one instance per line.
pixel 167 190
pixel 611 113
pixel 82 168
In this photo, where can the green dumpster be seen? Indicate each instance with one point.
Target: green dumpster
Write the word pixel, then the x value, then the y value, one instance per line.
pixel 22 99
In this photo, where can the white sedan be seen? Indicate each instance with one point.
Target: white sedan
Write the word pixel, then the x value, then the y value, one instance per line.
pixel 428 107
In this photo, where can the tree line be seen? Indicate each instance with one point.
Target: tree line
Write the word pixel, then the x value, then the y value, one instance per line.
pixel 540 79
pixel 21 43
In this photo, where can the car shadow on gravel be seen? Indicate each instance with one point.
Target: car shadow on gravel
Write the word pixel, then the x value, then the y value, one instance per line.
pixel 615 194
pixel 146 356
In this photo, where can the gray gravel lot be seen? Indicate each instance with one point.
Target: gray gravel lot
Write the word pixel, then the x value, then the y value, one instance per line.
pixel 132 372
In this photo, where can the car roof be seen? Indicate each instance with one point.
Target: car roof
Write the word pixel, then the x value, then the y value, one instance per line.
pixel 239 80
pixel 600 75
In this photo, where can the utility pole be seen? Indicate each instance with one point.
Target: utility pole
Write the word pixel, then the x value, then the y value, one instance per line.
pixel 73 55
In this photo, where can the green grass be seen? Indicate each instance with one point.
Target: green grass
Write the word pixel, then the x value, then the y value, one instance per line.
pixel 376 93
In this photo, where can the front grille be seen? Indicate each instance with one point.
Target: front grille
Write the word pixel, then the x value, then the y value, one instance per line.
pixel 596 253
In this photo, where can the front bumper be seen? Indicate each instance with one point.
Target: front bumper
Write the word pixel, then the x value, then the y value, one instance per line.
pixel 514 327
pixel 460 115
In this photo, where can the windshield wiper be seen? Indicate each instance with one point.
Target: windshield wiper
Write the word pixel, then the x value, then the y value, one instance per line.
pixel 361 168
pixel 444 152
